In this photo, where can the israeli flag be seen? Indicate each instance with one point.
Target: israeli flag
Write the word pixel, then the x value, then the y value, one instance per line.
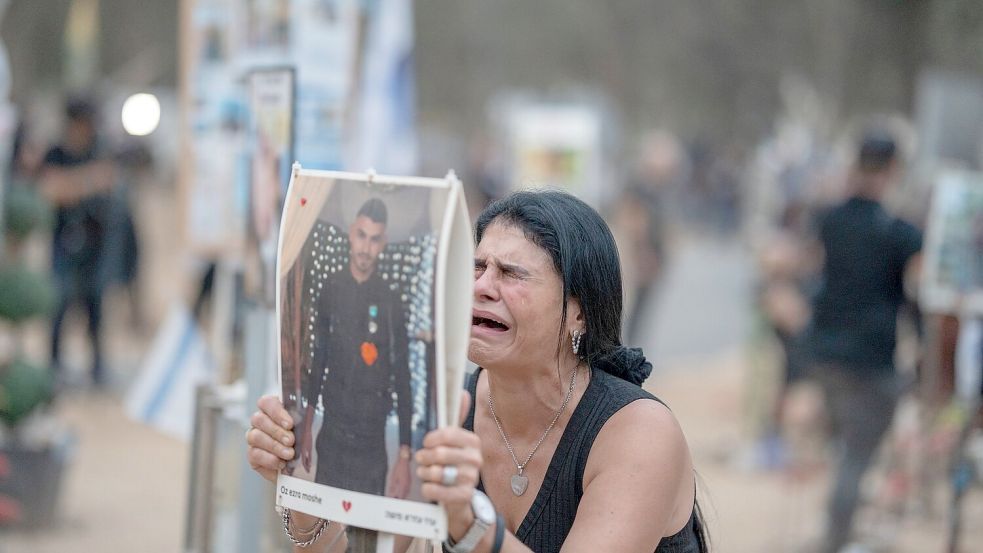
pixel 384 133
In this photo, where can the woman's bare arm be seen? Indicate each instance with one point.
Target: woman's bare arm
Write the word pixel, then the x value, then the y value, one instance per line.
pixel 638 484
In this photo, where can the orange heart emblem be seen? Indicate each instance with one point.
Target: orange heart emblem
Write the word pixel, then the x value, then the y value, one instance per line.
pixel 369 353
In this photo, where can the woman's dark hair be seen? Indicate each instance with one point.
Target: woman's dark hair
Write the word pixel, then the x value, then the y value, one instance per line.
pixel 585 256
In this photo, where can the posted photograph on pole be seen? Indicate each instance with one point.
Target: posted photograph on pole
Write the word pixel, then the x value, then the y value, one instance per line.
pixel 271 143
pixel 373 302
pixel 953 266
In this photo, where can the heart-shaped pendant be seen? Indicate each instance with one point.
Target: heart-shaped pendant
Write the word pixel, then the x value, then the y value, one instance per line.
pixel 519 484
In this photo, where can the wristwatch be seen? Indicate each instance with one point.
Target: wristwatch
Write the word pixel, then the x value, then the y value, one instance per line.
pixel 484 517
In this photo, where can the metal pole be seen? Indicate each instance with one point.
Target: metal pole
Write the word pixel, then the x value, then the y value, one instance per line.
pixel 255 501
pixel 198 515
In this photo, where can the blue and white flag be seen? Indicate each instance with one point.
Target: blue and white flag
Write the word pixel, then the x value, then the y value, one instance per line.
pixel 383 136
pixel 163 394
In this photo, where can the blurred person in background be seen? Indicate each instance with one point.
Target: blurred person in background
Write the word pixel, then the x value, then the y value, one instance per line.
pixel 785 308
pixel 793 169
pixel 852 338
pixel 76 177
pixel 640 222
pixel 134 162
pixel 723 190
pixel 484 176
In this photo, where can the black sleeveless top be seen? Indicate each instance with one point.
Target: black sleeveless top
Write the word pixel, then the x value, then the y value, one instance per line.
pixel 551 515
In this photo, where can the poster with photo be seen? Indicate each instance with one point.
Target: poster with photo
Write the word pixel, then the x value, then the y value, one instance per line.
pixel 953 273
pixel 267 24
pixel 271 140
pixel 373 302
pixel 556 145
pixel 324 47
pixel 214 132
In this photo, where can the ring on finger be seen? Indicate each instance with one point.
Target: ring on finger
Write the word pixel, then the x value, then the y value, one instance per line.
pixel 449 475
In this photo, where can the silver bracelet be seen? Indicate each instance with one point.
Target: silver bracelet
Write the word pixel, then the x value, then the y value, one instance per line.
pixel 317 529
pixel 308 531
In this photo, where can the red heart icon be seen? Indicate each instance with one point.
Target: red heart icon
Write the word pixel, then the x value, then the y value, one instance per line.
pixel 303 202
pixel 369 353
pixel 346 505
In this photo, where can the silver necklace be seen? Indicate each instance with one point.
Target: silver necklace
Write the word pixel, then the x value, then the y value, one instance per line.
pixel 519 481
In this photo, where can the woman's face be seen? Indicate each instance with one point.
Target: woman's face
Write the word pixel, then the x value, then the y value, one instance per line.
pixel 517 301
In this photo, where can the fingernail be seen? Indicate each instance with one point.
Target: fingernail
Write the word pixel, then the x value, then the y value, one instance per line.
pixel 285 423
pixel 286 439
pixel 287 452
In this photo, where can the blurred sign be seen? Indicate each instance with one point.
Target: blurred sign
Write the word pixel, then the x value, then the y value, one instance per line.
pixel 352 98
pixel 236 43
pixel 556 146
pixel 949 113
pixel 81 44
pixel 383 136
pixel 215 213
pixel 271 107
pixel 323 39
pixel 953 274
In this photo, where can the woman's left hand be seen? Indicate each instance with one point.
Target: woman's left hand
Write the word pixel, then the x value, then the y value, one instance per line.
pixel 451 447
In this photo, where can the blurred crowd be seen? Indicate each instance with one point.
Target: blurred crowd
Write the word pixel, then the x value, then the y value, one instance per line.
pixel 69 239
pixel 838 234
pixel 84 182
pixel 854 377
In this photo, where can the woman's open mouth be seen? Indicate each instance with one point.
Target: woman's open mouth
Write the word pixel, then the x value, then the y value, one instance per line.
pixel 489 323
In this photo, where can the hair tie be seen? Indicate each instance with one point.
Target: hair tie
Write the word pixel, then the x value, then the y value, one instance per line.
pixel 627 364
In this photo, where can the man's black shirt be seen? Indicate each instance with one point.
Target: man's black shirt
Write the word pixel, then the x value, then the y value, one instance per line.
pixel 79 228
pixel 361 356
pixel 855 313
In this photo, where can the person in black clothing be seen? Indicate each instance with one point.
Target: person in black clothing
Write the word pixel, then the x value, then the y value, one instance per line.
pixel 76 177
pixel 641 219
pixel 360 356
pixel 851 340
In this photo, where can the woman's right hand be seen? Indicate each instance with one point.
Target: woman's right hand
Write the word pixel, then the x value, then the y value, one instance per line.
pixel 271 438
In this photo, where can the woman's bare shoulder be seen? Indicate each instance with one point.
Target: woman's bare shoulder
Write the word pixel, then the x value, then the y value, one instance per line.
pixel 643 432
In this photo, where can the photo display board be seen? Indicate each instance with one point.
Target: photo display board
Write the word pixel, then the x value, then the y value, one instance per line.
pixel 271 141
pixel 373 295
pixel 953 273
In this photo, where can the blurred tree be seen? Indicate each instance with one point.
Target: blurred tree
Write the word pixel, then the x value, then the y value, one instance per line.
pixel 137 43
pixel 709 69
pixel 704 69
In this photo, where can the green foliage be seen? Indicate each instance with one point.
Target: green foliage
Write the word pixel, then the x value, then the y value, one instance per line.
pixel 23 387
pixel 24 294
pixel 25 212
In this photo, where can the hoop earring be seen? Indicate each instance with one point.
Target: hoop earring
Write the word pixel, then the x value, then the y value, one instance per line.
pixel 575 336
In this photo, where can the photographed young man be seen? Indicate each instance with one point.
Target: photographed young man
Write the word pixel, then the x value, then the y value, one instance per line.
pixel 360 358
